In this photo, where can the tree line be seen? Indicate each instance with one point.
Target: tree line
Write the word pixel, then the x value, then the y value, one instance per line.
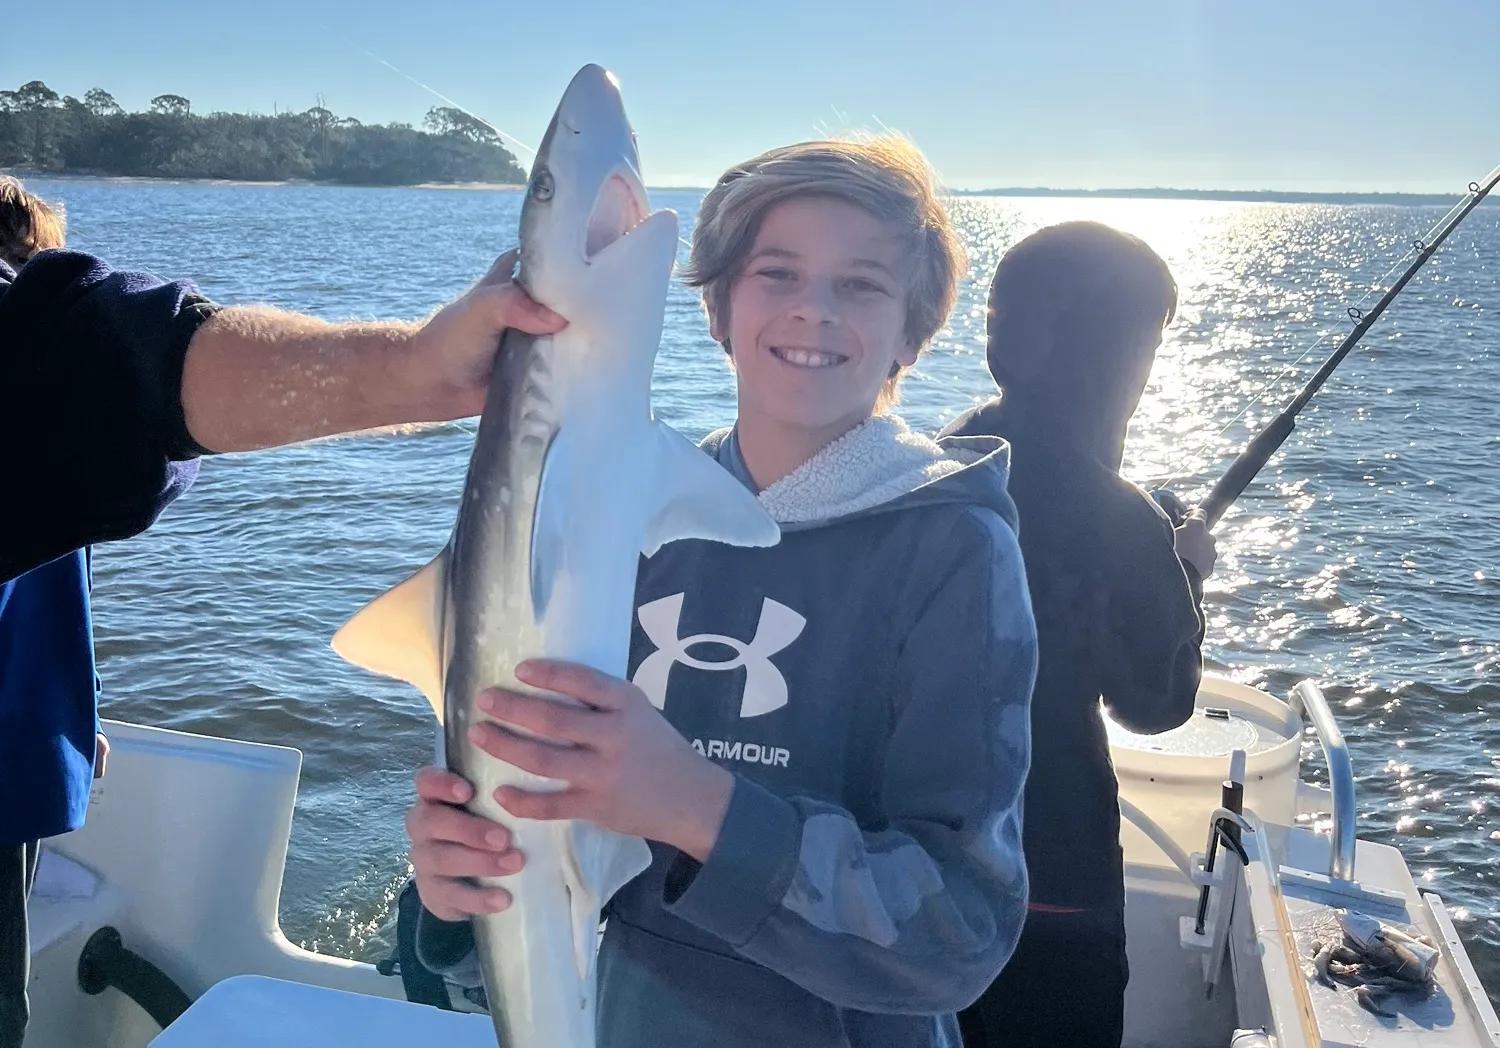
pixel 43 131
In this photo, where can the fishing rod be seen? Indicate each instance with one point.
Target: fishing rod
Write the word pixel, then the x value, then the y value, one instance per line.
pixel 1266 443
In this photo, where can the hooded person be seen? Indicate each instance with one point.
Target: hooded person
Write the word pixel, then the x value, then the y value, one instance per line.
pixel 1076 313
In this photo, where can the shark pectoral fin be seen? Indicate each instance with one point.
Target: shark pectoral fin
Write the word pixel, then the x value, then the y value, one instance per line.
pixel 397 633
pixel 701 500
pixel 602 862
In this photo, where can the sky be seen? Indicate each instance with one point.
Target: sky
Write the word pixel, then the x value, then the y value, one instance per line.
pixel 1315 95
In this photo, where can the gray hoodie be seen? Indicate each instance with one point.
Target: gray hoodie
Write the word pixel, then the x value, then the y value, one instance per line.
pixel 868 681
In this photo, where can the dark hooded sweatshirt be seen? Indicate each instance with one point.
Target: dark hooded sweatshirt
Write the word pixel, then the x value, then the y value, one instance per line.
pixel 92 447
pixel 867 681
pixel 1119 618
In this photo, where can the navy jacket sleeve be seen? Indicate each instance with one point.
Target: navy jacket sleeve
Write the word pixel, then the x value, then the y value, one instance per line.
pixel 1152 643
pixel 93 445
pixel 919 915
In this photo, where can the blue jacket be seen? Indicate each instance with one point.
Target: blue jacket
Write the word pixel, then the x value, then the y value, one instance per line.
pixel 48 700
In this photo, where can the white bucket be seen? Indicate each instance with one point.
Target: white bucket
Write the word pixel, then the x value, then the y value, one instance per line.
pixel 1174 778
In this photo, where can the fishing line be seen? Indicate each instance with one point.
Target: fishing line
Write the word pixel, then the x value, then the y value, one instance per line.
pixel 1250 461
pixel 430 90
pixel 1355 313
pixel 461 108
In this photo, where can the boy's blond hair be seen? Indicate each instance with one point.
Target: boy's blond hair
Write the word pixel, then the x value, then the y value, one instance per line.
pixel 28 224
pixel 886 176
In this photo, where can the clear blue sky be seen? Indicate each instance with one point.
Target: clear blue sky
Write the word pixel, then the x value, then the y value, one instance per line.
pixel 1321 95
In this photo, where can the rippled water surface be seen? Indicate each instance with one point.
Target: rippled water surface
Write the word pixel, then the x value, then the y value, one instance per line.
pixel 1367 555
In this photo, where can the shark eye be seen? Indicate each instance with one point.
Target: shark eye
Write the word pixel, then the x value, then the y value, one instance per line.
pixel 542 186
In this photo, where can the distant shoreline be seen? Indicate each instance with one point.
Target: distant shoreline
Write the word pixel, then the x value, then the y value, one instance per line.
pixel 147 180
pixel 1262 196
pixel 1252 196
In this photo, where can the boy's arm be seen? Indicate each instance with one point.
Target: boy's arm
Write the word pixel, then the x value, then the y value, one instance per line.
pixel 917 916
pixel 1151 646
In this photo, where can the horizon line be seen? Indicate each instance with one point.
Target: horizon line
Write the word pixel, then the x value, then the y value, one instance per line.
pixel 1141 192
pixel 1171 192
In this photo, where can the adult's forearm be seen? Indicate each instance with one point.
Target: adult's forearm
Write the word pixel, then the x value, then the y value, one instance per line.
pixel 259 377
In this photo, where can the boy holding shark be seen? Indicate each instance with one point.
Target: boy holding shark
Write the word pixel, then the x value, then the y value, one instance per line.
pixel 833 798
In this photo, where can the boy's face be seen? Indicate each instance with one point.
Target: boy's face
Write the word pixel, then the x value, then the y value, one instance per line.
pixel 817 316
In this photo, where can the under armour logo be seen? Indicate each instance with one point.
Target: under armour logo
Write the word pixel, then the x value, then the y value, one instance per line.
pixel 765 687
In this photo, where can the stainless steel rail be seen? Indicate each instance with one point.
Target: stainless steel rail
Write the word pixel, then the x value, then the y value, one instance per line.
pixel 1307 700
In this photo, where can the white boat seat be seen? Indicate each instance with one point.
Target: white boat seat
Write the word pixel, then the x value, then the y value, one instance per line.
pixel 252 1011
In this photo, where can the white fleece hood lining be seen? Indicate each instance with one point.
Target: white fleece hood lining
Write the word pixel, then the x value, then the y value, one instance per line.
pixel 875 462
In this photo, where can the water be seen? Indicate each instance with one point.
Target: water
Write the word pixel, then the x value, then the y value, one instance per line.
pixel 1365 557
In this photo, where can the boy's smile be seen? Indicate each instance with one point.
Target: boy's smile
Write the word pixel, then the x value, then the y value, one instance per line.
pixel 807 358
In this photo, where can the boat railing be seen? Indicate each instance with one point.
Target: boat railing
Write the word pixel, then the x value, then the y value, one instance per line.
pixel 1308 701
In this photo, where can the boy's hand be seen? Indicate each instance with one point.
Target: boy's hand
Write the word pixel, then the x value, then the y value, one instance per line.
pixel 627 769
pixel 449 845
pixel 1195 543
pixel 101 754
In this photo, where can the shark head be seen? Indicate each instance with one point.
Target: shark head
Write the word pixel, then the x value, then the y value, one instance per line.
pixel 585 191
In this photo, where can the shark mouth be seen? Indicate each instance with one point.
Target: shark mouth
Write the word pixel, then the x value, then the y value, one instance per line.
pixel 619 208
